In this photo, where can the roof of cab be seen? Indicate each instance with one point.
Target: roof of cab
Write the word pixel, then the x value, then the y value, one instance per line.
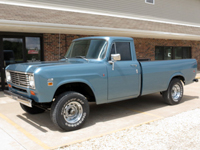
pixel 108 38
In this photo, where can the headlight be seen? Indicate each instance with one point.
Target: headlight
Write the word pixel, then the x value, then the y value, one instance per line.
pixel 31 81
pixel 8 77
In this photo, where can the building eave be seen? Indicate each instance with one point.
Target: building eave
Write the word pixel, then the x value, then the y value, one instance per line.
pixel 38 27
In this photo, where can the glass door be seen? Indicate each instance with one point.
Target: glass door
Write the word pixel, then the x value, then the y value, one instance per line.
pixel 12 53
pixel 18 48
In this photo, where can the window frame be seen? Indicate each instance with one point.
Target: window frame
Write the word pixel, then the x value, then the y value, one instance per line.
pixel 114 43
pixel 173 52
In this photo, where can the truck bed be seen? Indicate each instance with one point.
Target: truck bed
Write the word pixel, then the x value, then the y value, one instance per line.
pixel 156 75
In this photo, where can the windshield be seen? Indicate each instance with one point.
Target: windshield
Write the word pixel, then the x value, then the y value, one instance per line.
pixel 90 49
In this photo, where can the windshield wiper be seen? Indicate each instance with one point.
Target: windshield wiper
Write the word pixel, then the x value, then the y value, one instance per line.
pixel 83 57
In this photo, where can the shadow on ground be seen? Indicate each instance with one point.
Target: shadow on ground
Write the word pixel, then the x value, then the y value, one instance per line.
pixel 1 94
pixel 105 112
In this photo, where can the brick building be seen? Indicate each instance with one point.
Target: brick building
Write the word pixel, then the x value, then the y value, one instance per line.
pixel 43 29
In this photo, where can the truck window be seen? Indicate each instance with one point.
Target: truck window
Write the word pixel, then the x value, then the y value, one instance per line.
pixel 91 49
pixel 122 48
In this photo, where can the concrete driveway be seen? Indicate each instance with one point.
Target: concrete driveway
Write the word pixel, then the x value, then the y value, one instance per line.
pixel 19 130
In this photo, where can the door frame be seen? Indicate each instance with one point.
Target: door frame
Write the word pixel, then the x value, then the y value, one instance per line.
pixel 22 36
pixel 122 73
pixel 2 65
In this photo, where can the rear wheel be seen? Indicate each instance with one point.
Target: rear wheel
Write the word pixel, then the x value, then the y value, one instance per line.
pixel 32 110
pixel 70 111
pixel 174 93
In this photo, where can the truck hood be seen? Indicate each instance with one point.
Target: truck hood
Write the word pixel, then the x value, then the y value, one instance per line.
pixel 32 66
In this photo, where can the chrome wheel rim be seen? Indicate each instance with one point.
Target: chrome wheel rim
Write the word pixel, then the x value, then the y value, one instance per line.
pixel 73 112
pixel 176 92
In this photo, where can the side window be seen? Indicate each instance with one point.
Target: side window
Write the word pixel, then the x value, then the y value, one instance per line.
pixel 123 48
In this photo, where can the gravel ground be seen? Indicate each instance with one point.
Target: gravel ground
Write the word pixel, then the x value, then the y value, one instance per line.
pixel 180 132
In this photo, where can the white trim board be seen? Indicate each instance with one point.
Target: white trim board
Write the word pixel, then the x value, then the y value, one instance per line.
pixel 35 27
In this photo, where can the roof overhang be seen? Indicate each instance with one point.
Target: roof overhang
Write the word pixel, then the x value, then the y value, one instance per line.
pixel 39 27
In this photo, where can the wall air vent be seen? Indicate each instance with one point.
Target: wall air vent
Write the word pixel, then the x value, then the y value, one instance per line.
pixel 150 1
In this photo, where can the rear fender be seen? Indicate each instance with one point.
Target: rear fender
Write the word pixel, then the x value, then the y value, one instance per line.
pixel 177 74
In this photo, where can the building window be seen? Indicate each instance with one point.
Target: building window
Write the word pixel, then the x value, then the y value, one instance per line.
pixel 33 48
pixel 150 1
pixel 168 53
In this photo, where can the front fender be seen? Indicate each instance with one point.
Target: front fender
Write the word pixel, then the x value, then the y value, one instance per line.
pixel 75 81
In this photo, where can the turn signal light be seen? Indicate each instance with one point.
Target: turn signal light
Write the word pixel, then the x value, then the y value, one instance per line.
pixel 9 85
pixel 50 83
pixel 32 93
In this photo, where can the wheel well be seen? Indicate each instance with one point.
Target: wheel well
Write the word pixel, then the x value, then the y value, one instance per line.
pixel 180 78
pixel 79 87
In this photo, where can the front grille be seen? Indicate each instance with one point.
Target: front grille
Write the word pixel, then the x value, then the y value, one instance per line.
pixel 20 78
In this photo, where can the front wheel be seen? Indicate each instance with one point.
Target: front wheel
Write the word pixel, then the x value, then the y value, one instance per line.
pixel 69 111
pixel 174 93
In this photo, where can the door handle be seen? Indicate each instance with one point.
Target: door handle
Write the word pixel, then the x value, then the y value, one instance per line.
pixel 133 65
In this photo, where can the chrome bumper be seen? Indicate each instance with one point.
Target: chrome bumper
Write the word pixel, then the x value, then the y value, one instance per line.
pixel 19 98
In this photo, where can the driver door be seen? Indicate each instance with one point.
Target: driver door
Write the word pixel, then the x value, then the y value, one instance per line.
pixel 123 81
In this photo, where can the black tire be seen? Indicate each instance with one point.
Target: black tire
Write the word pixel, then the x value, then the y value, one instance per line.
pixel 32 110
pixel 69 111
pixel 174 93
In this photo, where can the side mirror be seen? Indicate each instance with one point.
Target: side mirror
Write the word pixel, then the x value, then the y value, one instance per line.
pixel 114 58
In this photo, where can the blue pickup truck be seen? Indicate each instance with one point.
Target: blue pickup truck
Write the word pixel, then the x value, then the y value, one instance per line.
pixel 95 69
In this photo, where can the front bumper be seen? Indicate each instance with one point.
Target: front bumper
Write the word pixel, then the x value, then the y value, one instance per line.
pixel 19 98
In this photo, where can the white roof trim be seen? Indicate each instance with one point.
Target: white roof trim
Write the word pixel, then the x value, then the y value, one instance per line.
pixel 60 8
pixel 36 27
